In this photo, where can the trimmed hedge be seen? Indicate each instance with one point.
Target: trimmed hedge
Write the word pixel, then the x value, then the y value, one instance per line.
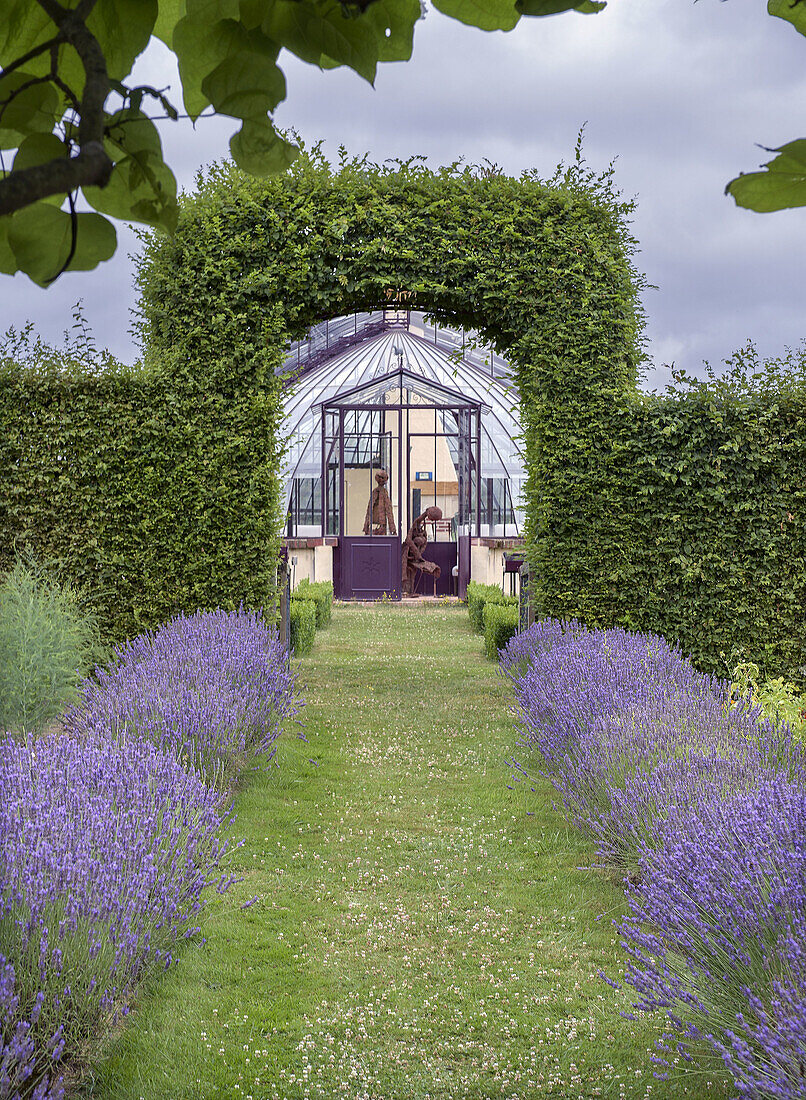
pixel 541 268
pixel 500 625
pixel 153 488
pixel 682 514
pixel 302 614
pixel 478 596
pixel 321 592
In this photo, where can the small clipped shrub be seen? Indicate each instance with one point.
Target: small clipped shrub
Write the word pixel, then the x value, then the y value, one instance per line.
pixel 48 642
pixel 500 625
pixel 321 592
pixel 480 594
pixel 303 626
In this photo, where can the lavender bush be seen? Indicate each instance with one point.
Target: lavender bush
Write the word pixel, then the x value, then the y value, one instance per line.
pixel 703 802
pixel 105 850
pixel 627 728
pixel 717 933
pixel 109 834
pixel 212 687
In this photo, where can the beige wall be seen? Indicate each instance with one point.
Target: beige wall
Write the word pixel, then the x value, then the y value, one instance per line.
pixel 313 563
pixel 487 565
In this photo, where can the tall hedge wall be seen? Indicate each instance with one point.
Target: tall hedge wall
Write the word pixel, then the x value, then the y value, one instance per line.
pixel 686 515
pixel 155 487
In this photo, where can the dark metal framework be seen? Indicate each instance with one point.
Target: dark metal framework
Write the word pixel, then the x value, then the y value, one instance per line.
pixel 340 443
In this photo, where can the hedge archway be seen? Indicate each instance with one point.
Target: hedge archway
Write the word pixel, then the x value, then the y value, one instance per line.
pixel 542 268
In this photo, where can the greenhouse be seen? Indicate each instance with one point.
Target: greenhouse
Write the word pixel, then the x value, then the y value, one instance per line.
pixel 400 427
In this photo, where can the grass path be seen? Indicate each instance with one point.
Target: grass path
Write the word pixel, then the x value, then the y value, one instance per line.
pixel 423 931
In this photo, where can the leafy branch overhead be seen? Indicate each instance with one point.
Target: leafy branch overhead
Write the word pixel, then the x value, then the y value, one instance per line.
pixel 781 183
pixel 72 121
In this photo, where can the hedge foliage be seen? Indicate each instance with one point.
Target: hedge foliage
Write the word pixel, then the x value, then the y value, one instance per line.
pixel 302 614
pixel 500 624
pixel 321 592
pixel 685 514
pixel 154 488
pixel 478 596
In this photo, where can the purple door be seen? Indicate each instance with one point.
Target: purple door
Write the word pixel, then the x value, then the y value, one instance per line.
pixel 369 568
pixel 444 554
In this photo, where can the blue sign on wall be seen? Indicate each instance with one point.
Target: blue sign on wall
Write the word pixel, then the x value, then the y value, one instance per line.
pixel 424 475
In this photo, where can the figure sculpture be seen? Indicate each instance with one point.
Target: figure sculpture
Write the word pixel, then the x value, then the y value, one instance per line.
pixel 413 561
pixel 380 517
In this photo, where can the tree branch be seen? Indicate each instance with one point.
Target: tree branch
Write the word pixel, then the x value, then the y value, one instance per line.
pixel 18 62
pixel 92 166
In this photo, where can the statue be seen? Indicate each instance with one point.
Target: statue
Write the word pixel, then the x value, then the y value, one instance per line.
pixel 379 510
pixel 413 561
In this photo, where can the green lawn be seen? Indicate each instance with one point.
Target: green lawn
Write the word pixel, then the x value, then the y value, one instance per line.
pixel 422 929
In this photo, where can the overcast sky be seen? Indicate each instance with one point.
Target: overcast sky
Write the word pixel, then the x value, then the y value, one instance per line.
pixel 678 92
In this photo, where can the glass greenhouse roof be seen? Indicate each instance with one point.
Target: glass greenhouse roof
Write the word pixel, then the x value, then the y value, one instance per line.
pixel 409 363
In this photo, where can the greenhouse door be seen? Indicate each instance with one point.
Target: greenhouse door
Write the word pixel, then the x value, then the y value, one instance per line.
pixel 397 449
pixel 369 568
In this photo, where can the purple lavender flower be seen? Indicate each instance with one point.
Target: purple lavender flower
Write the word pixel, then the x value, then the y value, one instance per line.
pixel 110 834
pixel 214 687
pixel 105 850
pixel 704 803
pixel 717 933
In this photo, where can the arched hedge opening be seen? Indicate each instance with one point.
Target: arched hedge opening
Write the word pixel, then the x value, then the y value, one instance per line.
pixel 543 269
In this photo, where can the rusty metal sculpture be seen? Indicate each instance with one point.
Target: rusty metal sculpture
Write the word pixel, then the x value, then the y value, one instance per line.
pixel 414 563
pixel 380 517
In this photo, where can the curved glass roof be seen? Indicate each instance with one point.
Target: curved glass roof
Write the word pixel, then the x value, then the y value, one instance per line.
pixel 379 347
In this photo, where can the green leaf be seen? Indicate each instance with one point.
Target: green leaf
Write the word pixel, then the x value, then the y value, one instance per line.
pixel 131 131
pixel 320 30
pixel 40 237
pixel 393 23
pixel 488 15
pixel 8 262
pixel 142 187
pixel 259 149
pixel 38 149
pixel 202 43
pixel 123 29
pixel 170 12
pixel 24 25
pixel 245 85
pixel 793 11
pixel 28 110
pixel 781 186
